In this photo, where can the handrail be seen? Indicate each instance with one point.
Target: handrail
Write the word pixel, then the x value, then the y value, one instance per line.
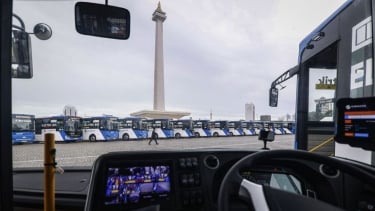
pixel 327 141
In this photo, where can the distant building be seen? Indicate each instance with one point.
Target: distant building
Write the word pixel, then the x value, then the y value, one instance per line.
pixel 249 112
pixel 265 117
pixel 324 105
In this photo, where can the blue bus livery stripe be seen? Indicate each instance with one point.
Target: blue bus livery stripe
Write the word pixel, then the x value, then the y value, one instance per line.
pixel 141 133
pixel 110 134
pixel 66 137
pixel 23 137
pixel 189 133
pixel 168 133
pixel 207 131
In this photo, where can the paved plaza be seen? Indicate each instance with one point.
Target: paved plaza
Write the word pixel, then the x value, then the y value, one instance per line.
pixel 85 153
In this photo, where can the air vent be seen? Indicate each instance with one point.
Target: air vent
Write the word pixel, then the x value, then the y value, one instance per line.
pixel 211 162
pixel 329 171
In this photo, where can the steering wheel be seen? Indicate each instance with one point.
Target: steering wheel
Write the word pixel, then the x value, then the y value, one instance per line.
pixel 268 198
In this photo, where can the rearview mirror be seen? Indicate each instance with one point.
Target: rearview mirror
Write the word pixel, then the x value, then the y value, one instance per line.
pixel 21 55
pixel 102 20
pixel 274 94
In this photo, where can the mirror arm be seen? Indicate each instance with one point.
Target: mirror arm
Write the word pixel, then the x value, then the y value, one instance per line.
pixel 20 20
pixel 19 28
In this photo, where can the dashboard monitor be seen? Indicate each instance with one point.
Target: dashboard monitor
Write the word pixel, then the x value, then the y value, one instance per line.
pixel 355 123
pixel 137 184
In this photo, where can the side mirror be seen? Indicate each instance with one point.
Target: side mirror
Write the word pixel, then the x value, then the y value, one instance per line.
pixel 21 55
pixel 274 94
pixel 102 20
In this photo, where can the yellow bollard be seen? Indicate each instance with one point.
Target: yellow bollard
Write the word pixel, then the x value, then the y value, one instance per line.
pixel 49 172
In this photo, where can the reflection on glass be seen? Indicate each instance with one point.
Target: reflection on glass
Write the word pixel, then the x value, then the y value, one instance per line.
pixel 322 86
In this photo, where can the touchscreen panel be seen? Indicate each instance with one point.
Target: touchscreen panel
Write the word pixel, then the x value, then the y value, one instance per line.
pixel 356 122
pixel 137 184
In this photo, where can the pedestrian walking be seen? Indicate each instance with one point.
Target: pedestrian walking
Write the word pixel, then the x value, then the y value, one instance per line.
pixel 154 136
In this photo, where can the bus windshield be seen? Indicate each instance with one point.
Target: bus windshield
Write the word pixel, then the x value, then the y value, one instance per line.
pixel 22 123
pixel 193 73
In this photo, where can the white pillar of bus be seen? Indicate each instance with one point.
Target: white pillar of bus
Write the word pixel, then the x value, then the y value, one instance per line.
pixel 159 17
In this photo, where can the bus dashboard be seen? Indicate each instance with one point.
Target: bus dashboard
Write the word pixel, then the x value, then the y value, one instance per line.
pixel 191 179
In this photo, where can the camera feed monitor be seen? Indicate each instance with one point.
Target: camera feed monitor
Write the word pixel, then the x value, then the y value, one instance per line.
pixel 138 184
pixel 356 122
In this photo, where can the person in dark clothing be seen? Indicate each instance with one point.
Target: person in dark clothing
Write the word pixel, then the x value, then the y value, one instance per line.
pixel 154 136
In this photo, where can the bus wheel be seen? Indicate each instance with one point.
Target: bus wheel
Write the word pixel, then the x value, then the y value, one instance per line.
pixel 92 138
pixel 177 135
pixel 230 134
pixel 125 137
pixel 215 134
pixel 197 135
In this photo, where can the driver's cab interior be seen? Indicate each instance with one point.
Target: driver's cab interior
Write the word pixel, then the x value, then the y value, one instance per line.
pixel 204 179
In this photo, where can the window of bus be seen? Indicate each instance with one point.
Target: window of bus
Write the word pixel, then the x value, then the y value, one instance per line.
pixel 322 86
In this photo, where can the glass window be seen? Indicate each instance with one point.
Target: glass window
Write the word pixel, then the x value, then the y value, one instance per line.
pixel 322 86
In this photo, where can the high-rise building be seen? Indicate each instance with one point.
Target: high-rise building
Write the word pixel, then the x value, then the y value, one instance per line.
pixel 249 112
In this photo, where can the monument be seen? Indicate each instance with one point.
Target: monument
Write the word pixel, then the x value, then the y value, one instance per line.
pixel 159 111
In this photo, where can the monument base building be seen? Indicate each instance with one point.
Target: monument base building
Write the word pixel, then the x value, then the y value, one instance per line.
pixel 160 114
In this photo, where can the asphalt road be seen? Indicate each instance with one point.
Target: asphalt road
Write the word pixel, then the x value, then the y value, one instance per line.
pixel 85 153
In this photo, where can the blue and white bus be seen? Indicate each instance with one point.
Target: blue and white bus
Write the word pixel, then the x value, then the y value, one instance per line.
pixel 257 126
pixel 100 128
pixel 283 126
pixel 132 128
pixel 182 128
pixel 163 128
pixel 291 127
pixel 65 128
pixel 219 128
pixel 248 128
pixel 23 128
pixel 276 128
pixel 201 128
pixel 235 128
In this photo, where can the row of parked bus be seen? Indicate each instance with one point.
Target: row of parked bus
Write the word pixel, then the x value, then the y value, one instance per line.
pixel 27 128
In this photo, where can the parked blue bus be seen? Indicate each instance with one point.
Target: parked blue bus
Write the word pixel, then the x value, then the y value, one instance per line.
pixel 163 127
pixel 100 128
pixel 65 128
pixel 23 128
pixel 219 128
pixel 201 128
pixel 132 128
pixel 248 128
pixel 182 128
pixel 235 128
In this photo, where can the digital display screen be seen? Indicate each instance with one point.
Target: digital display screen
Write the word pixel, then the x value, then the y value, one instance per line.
pixel 359 124
pixel 356 122
pixel 138 184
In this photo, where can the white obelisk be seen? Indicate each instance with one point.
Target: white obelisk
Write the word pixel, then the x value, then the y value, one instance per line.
pixel 159 17
pixel 159 106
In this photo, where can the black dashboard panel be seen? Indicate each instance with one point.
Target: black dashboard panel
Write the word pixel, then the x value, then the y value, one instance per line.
pixel 171 180
pixel 182 180
pixel 71 188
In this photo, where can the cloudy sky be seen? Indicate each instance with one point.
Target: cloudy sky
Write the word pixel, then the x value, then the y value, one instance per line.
pixel 218 55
